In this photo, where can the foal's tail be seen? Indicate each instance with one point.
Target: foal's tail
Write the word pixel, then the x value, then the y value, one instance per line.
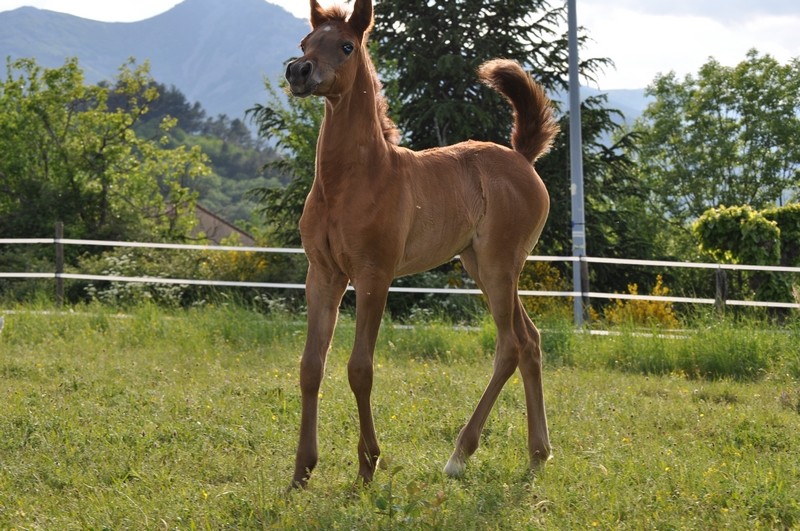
pixel 534 124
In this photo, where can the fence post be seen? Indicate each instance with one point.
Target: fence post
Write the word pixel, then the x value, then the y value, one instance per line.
pixel 585 302
pixel 721 294
pixel 59 263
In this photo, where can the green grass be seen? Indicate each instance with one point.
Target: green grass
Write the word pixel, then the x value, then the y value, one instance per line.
pixel 188 419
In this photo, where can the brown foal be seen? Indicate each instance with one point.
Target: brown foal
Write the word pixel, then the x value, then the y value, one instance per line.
pixel 377 211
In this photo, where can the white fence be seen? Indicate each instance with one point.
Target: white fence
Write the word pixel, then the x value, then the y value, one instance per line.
pixel 59 275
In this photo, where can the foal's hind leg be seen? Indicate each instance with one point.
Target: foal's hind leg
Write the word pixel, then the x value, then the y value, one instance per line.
pixel 517 344
pixel 530 366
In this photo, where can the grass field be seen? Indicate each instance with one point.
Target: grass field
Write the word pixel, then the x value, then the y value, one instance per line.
pixel 187 419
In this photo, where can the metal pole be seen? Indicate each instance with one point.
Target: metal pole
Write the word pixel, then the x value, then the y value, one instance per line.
pixel 579 283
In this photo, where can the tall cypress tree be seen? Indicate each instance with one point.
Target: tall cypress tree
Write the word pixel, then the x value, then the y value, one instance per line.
pixel 432 49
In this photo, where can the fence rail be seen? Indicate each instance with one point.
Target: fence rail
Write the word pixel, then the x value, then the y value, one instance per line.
pixel 720 300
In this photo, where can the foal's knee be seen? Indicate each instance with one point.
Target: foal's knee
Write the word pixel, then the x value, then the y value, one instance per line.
pixel 311 370
pixel 359 374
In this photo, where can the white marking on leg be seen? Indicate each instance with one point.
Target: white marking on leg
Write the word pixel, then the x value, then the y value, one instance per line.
pixel 456 465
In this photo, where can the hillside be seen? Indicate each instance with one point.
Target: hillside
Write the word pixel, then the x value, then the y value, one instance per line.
pixel 217 53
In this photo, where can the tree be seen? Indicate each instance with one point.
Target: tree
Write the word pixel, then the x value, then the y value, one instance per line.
pixel 294 128
pixel 431 51
pixel 169 102
pixel 69 156
pixel 727 136
pixel 236 159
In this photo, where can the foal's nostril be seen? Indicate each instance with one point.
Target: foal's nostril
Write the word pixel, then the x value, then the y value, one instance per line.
pixel 299 71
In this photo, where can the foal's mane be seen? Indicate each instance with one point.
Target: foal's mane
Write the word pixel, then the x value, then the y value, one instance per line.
pixel 390 131
pixel 391 134
pixel 334 12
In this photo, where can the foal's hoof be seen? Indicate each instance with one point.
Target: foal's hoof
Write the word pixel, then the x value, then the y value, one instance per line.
pixel 295 486
pixel 455 467
pixel 361 481
pixel 539 460
pixel 298 483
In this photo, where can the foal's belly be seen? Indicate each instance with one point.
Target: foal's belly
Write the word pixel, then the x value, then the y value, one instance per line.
pixel 443 224
pixel 422 256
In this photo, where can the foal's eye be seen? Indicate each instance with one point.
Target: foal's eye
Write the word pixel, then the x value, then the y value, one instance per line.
pixel 347 48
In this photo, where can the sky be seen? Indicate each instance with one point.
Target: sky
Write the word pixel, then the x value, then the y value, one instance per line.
pixel 643 37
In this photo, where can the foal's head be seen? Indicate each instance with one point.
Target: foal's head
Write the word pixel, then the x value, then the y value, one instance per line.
pixel 330 51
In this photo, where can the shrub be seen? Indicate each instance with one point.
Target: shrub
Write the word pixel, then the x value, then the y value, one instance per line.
pixel 738 235
pixel 646 313
pixel 542 276
pixel 787 218
pixel 234 266
pixel 125 262
pixel 746 236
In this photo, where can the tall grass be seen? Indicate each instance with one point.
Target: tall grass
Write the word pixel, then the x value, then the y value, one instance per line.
pixel 188 419
pixel 742 351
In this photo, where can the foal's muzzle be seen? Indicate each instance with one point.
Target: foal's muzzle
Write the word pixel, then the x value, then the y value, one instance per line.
pixel 299 75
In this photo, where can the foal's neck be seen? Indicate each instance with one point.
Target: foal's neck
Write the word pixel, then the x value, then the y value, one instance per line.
pixel 352 129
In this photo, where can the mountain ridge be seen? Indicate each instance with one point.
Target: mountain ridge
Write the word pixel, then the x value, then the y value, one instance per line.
pixel 215 53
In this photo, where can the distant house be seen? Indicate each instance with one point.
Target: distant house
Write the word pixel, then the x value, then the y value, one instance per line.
pixel 217 229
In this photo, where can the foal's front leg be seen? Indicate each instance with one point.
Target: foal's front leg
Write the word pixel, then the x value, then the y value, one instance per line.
pixel 370 303
pixel 324 291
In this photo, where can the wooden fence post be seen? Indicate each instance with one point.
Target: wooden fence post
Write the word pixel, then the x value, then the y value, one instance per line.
pixel 59 263
pixel 721 290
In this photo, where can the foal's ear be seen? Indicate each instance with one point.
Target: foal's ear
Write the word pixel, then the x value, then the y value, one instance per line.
pixel 317 17
pixel 361 19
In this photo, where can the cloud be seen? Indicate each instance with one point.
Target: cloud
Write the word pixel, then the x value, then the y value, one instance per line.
pixel 298 8
pixel 98 9
pixel 726 10
pixel 645 43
